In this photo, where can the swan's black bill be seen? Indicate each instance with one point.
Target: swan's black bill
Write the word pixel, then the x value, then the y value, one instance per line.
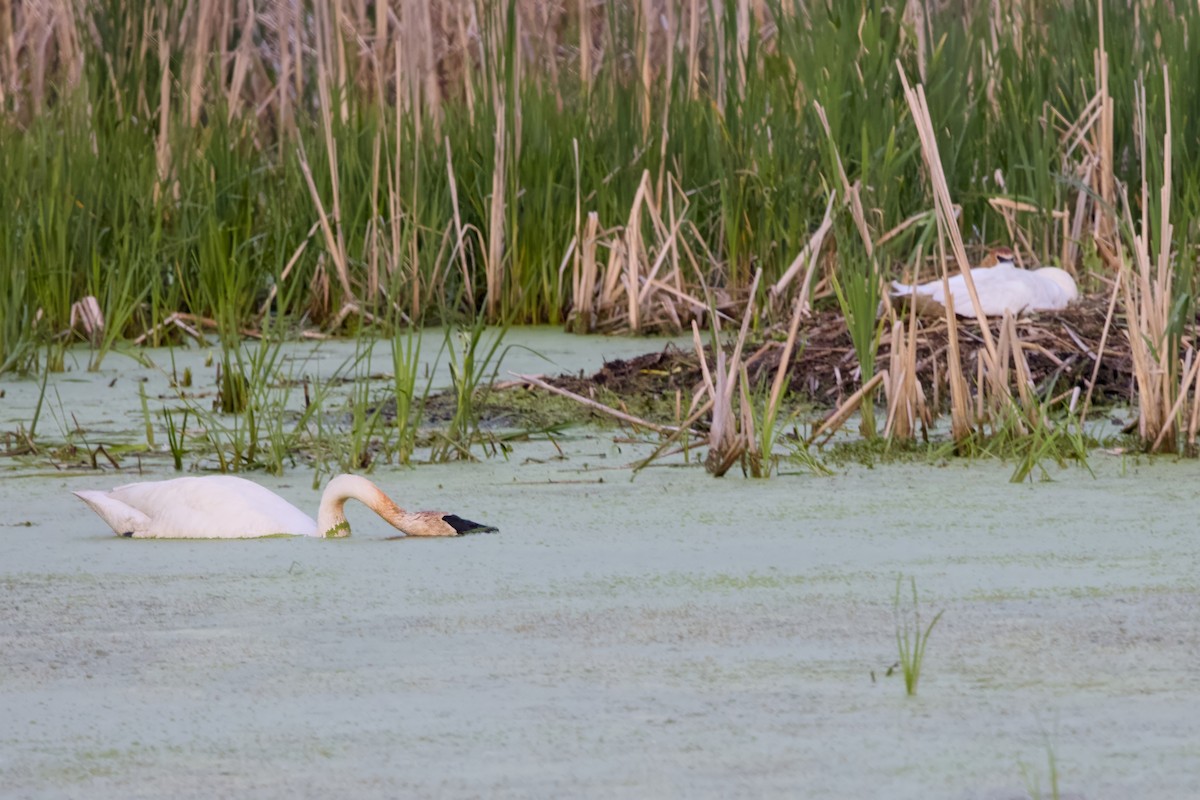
pixel 464 526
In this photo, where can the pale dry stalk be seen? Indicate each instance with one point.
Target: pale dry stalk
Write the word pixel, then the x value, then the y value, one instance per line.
pixel 1147 292
pixel 728 440
pixel 905 396
pixel 947 221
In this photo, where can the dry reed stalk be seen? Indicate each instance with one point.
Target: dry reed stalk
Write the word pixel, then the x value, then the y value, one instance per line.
pixel 89 318
pixel 494 268
pixel 693 49
pixel 643 24
pixel 642 285
pixel 8 48
pixel 902 388
pixel 244 57
pixel 1073 231
pixel 584 277
pixel 1194 423
pixel 460 243
pixel 432 87
pixel 920 216
pixel 467 72
pixel 325 83
pixel 742 20
pixel 1191 372
pixel 288 32
pixel 851 194
pixel 633 256
pixel 717 45
pixel 585 44
pixel 947 223
pixel 728 436
pixel 1147 292
pixel 914 17
pixel 201 21
pixel 397 206
pixel 962 423
pixel 800 308
pixel 1104 226
pixel 1013 351
pixel 333 243
pixel 809 253
pixel 1008 210
pixel 843 412
pixel 991 369
pixel 162 148
pixel 603 409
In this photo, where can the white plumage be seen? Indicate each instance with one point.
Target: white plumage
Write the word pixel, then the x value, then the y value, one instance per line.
pixel 226 507
pixel 1000 288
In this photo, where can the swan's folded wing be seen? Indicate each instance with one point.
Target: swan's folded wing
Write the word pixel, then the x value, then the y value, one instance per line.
pixel 213 507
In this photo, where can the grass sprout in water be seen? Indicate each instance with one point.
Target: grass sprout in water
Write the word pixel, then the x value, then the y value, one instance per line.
pixel 1033 777
pixel 911 640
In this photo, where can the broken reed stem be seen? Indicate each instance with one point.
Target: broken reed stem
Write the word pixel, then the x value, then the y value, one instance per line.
pixel 333 243
pixel 1148 301
pixel 727 440
pixel 495 261
pixel 799 309
pixel 962 425
pixel 603 409
pixel 905 396
pixel 809 253
pixel 460 244
pixel 1108 318
pixel 947 222
pixel 1193 373
pixel 846 409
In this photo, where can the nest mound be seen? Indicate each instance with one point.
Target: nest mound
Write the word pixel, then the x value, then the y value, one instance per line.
pixel 1061 348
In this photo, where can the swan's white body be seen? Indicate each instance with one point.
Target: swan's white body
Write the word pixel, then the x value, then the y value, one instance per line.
pixel 225 507
pixel 1000 288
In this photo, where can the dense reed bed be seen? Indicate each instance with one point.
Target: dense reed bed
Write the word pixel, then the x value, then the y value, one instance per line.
pixel 606 165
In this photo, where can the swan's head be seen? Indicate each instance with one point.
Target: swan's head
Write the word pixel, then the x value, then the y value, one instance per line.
pixel 1004 256
pixel 439 523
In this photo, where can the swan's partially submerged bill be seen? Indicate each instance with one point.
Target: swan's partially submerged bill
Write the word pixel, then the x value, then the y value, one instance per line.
pixel 464 526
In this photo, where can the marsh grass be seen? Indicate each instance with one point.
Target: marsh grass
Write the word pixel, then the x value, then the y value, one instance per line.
pixel 176 436
pixel 406 358
pixel 474 357
pixel 858 293
pixel 355 167
pixel 911 638
pixel 1033 777
pixel 1060 442
pixel 453 161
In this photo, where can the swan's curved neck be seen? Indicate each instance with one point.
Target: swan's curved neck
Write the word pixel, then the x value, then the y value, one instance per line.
pixel 331 517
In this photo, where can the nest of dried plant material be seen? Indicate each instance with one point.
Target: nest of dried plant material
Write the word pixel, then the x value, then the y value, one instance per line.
pixel 1061 348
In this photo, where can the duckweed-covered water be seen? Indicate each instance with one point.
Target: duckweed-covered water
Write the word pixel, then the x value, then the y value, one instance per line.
pixel 668 636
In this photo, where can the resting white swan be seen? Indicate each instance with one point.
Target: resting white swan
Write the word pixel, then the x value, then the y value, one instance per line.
pixel 225 507
pixel 1001 288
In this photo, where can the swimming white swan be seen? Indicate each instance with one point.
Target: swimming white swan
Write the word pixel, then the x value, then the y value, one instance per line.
pixel 225 507
pixel 1001 288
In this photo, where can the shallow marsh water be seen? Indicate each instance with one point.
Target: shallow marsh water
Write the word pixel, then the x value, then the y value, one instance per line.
pixel 669 636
